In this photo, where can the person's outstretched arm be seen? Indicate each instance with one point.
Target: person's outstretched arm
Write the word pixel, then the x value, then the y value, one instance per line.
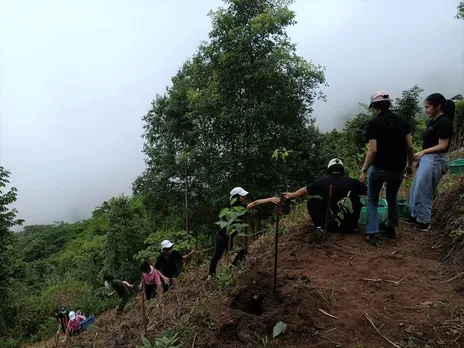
pixel 189 256
pixel 300 193
pixel 274 200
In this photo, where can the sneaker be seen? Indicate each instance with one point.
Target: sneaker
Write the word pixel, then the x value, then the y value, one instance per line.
pixel 318 235
pixel 210 277
pixel 422 227
pixel 388 231
pixel 371 238
pixel 411 221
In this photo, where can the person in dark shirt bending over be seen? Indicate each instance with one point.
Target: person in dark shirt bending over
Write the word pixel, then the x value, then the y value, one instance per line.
pixel 433 161
pixel 170 262
pixel 389 157
pixel 342 187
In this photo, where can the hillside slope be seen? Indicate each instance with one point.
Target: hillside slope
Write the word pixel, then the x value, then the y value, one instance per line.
pixel 401 286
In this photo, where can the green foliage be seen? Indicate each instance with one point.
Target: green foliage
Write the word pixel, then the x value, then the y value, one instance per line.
pixel 278 329
pixel 244 93
pixel 459 118
pixel 7 255
pixel 229 219
pixel 408 105
pixel 183 242
pixel 162 342
pixel 460 14
pixel 124 238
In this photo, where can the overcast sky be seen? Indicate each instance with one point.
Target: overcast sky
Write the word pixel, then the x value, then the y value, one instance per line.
pixel 76 77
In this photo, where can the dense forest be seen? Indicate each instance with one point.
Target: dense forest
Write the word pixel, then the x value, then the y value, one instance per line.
pixel 243 94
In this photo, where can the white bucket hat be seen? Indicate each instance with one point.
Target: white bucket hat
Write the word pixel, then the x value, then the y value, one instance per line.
pixel 72 315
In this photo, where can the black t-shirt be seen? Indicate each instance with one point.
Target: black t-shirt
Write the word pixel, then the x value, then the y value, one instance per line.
pixel 390 131
pixel 341 185
pixel 62 318
pixel 168 266
pixel 440 128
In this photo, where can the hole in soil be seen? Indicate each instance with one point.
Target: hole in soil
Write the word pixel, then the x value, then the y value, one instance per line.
pixel 252 304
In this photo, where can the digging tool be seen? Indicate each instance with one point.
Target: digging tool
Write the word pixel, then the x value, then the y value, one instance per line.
pixel 329 202
pixel 276 246
pixel 144 311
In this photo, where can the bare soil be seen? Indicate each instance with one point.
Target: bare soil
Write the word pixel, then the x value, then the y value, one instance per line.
pixel 325 295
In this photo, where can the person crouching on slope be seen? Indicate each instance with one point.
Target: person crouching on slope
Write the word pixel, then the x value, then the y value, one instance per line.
pixel 120 287
pixel 237 198
pixel 151 279
pixel 342 187
pixel 74 325
pixel 170 262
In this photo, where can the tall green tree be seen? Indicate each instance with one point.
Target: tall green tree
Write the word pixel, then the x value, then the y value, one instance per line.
pixel 244 93
pixel 459 120
pixel 408 105
pixel 460 14
pixel 8 220
pixel 124 239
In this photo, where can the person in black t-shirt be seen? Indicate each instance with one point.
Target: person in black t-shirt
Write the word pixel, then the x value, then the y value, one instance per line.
pixel 61 316
pixel 170 261
pixel 342 187
pixel 390 156
pixel 433 161
pixel 238 197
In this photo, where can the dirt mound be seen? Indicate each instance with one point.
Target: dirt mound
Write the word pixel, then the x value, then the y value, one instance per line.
pixel 448 220
pixel 325 296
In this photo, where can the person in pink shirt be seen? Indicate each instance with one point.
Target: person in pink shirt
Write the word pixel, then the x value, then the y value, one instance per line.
pixel 151 278
pixel 74 324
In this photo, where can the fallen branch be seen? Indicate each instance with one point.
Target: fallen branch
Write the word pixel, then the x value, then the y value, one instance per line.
pixel 372 280
pixel 194 338
pixel 328 314
pixel 378 331
pixel 450 280
pixel 396 282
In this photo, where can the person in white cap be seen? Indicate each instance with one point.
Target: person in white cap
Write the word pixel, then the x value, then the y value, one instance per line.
pixel 342 187
pixel 170 261
pixel 237 197
pixel 389 158
pixel 74 324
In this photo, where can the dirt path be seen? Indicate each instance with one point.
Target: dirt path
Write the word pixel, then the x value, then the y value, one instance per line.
pixel 400 285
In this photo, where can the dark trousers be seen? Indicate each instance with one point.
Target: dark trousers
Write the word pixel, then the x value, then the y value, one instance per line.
pixel 122 303
pixel 150 291
pixel 222 244
pixel 317 209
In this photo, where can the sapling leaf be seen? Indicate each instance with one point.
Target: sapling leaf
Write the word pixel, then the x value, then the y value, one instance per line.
pixel 279 329
pixel 223 212
pixel 146 342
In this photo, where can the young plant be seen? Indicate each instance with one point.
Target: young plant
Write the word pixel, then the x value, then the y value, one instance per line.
pixel 161 342
pixel 229 219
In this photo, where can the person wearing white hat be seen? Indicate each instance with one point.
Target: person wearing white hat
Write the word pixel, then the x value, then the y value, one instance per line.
pixel 342 186
pixel 170 261
pixel 74 324
pixel 237 197
pixel 390 156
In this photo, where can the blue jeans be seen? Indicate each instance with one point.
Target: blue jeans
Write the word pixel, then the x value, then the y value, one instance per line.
pixel 428 175
pixel 393 182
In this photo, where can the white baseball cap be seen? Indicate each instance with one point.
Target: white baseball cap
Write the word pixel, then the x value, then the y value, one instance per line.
pixel 238 191
pixel 335 161
pixel 72 315
pixel 165 244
